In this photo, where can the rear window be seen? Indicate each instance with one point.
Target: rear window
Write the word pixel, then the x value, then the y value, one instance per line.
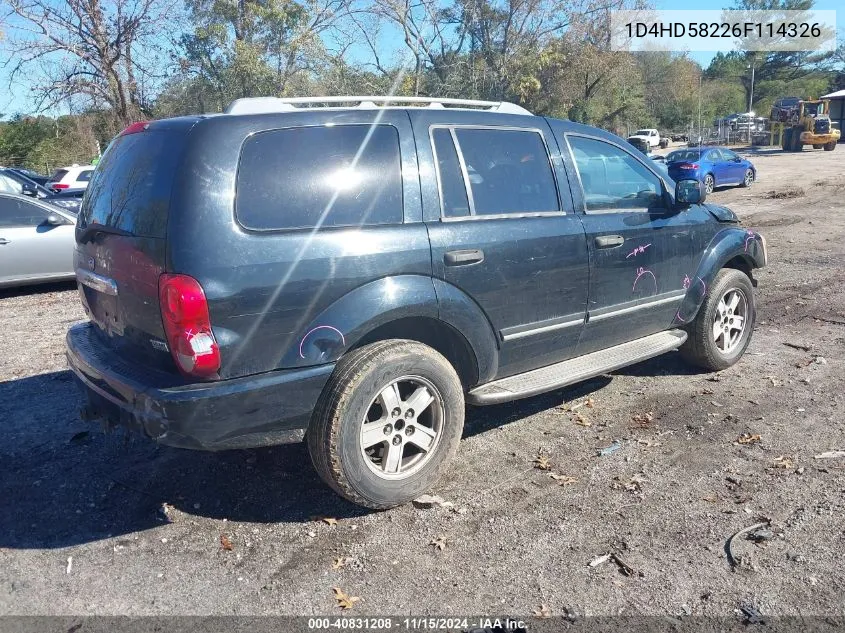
pixel 58 175
pixel 343 175
pixel 130 188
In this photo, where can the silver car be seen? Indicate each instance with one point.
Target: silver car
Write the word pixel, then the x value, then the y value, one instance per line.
pixel 36 241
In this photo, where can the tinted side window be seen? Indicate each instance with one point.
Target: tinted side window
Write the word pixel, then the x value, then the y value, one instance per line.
pixel 612 178
pixel 344 175
pixel 7 185
pixel 58 175
pixel 130 189
pixel 85 176
pixel 15 212
pixel 453 191
pixel 509 171
pixel 714 155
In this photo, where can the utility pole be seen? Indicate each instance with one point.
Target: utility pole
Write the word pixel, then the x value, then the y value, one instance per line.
pixel 700 74
pixel 751 101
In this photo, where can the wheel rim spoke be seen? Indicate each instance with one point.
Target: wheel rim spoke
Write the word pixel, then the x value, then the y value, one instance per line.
pixel 419 400
pixel 734 302
pixel 423 437
pixel 717 329
pixel 389 398
pixel 392 460
pixel 373 434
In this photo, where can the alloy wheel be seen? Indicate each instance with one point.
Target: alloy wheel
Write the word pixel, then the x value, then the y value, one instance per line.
pixel 730 320
pixel 402 427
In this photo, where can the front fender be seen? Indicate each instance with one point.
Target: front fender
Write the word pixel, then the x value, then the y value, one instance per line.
pixel 342 324
pixel 727 244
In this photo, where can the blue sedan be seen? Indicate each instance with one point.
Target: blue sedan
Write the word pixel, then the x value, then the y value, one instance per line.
pixel 712 166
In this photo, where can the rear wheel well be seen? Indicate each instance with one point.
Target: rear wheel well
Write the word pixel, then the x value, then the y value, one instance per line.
pixel 436 334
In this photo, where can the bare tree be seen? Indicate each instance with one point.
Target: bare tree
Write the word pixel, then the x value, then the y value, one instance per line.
pixel 105 51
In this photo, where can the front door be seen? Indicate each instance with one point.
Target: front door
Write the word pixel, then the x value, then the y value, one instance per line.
pixel 641 251
pixel 504 233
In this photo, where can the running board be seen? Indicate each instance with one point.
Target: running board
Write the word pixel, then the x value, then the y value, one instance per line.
pixel 575 370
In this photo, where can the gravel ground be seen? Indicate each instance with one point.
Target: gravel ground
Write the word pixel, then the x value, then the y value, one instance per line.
pixel 103 524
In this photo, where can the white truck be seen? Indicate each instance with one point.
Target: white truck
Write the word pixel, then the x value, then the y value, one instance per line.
pixel 649 135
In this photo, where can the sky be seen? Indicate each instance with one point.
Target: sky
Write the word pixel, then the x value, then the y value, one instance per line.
pixel 14 99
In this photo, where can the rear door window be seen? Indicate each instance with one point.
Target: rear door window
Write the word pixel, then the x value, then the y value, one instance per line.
pixel 306 177
pixel 85 176
pixel 509 171
pixel 453 193
pixel 58 175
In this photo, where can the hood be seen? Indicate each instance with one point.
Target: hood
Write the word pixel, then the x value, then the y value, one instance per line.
pixel 722 214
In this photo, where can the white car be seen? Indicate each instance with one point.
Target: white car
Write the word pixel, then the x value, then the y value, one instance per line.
pixel 73 177
pixel 650 135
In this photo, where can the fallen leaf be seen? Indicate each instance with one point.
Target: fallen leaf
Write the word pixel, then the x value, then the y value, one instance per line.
pixel 642 420
pixel 598 561
pixel 344 601
pixel 424 502
pixel 710 498
pixel 543 611
pixel 591 403
pixel 341 562
pixel 581 420
pixel 329 521
pixel 748 438
pixel 225 543
pixel 783 462
pixel 563 479
pixel 634 484
pixel 707 392
pixel 438 543
pixel 541 462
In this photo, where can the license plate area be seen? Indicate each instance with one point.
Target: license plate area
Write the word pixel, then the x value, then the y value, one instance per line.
pixel 100 298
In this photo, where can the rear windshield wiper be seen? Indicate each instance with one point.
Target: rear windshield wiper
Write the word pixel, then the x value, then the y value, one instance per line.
pixel 90 229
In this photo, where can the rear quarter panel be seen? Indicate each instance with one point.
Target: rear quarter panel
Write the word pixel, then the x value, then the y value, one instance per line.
pixel 271 293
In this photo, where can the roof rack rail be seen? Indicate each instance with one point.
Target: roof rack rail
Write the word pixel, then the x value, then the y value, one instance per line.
pixel 263 105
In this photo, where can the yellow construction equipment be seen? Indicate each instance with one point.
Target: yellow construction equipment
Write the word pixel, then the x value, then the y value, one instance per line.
pixel 799 122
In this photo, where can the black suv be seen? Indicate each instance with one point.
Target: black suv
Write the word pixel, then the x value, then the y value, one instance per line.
pixel 355 272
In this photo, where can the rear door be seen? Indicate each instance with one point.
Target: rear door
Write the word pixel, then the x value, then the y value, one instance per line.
pixel 641 251
pixel 503 231
pixel 733 166
pixel 29 247
pixel 120 236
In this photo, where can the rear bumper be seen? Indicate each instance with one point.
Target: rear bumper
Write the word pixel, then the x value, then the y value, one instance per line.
pixel 269 408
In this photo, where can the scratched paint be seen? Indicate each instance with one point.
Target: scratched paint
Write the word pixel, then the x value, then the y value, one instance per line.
pixel 320 327
pixel 642 272
pixel 637 251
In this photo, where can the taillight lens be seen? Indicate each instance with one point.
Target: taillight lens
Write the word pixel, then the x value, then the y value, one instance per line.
pixel 184 312
pixel 688 166
pixel 59 185
pixel 136 127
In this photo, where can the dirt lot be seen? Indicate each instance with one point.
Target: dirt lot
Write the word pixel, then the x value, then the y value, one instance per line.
pixel 93 524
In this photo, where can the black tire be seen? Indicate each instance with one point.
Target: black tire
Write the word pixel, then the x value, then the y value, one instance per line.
pixel 797 145
pixel 818 146
pixel 335 436
pixel 709 184
pixel 748 178
pixel 786 141
pixel 701 348
pixel 829 147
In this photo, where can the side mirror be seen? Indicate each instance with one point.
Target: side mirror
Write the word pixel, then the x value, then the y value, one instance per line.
pixel 29 190
pixel 689 192
pixel 54 219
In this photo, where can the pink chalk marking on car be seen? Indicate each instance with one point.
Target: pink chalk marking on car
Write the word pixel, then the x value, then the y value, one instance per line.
pixel 319 327
pixel 641 272
pixel 637 251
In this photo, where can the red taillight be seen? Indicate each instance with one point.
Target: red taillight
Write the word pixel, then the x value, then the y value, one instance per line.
pixel 184 312
pixel 140 126
pixel 688 166
pixel 59 185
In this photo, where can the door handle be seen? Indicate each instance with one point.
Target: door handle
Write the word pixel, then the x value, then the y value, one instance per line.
pixel 609 241
pixel 463 258
pixel 3 240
